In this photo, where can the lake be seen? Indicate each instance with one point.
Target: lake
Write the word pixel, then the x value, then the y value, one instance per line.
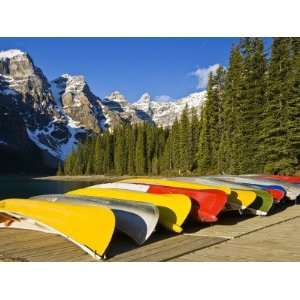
pixel 24 187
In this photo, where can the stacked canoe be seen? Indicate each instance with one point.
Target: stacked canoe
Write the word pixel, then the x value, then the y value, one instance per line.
pixel 89 217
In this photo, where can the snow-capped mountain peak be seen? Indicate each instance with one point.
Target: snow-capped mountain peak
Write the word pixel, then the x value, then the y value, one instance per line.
pixel 8 54
pixel 145 98
pixel 193 100
pixel 144 103
pixel 71 83
pixel 116 96
pixel 164 113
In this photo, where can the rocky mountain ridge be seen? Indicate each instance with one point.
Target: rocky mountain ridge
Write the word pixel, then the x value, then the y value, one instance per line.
pixel 53 116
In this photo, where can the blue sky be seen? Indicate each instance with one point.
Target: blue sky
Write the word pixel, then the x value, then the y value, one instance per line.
pixel 160 66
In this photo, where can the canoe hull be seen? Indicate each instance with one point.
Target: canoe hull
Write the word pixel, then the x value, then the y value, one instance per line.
pixel 137 220
pixel 292 190
pixel 176 183
pixel 15 221
pixel 173 209
pixel 238 199
pixel 290 179
pixel 206 204
pixel 91 228
pixel 263 201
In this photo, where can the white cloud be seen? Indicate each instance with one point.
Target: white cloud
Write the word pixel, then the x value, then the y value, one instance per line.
pixel 202 75
pixel 163 98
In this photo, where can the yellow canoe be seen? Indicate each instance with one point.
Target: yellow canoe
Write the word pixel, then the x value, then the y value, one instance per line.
pixel 239 199
pixel 178 184
pixel 173 209
pixel 89 227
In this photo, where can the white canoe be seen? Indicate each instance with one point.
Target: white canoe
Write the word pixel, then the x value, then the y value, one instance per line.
pixel 137 220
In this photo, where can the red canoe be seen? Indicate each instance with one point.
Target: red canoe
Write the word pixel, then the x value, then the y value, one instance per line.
pixel 277 195
pixel 290 179
pixel 206 204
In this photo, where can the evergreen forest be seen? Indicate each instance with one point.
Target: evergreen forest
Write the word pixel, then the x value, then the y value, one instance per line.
pixel 250 123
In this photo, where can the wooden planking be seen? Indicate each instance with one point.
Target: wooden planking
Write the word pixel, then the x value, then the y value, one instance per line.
pixel 236 226
pixel 28 245
pixel 280 242
pixel 167 249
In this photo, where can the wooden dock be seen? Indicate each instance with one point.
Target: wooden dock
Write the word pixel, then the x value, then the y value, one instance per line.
pixel 234 238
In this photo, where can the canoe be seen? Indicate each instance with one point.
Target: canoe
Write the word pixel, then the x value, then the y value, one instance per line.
pixel 137 220
pixel 254 201
pixel 13 220
pixel 290 179
pixel 173 209
pixel 292 190
pixel 206 204
pixel 263 201
pixel 278 192
pixel 90 228
pixel 238 198
pixel 177 182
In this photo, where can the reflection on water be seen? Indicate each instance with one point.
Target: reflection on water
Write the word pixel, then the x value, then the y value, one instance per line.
pixel 27 187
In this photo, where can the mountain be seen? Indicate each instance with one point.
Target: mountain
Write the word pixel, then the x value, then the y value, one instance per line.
pixel 48 118
pixel 118 110
pixel 164 113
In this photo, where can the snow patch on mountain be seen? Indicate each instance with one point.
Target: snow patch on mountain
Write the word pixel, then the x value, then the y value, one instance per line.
pixel 10 53
pixel 164 113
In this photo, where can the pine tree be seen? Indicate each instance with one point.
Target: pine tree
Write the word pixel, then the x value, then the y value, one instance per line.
pixel 130 138
pixel 108 153
pixel 89 148
pixel 166 157
pixel 185 141
pixel 229 148
pixel 120 153
pixel 140 153
pixel 195 138
pixel 60 171
pixel 275 145
pixel 204 146
pixel 252 102
pixel 69 164
pixel 293 125
pixel 175 146
pixel 150 146
pixel 98 156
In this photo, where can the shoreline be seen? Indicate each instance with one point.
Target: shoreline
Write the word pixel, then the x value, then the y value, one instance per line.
pixel 102 178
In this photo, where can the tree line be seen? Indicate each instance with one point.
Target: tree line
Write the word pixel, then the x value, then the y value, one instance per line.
pixel 250 123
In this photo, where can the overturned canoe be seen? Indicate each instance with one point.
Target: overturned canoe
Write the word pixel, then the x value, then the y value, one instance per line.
pixel 278 192
pixel 173 209
pixel 238 198
pixel 290 179
pixel 206 204
pixel 263 200
pixel 292 190
pixel 136 219
pixel 177 182
pixel 90 228
pixel 13 220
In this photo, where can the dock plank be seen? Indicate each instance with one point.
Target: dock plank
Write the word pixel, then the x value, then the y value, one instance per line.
pixel 169 248
pixel 28 245
pixel 280 242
